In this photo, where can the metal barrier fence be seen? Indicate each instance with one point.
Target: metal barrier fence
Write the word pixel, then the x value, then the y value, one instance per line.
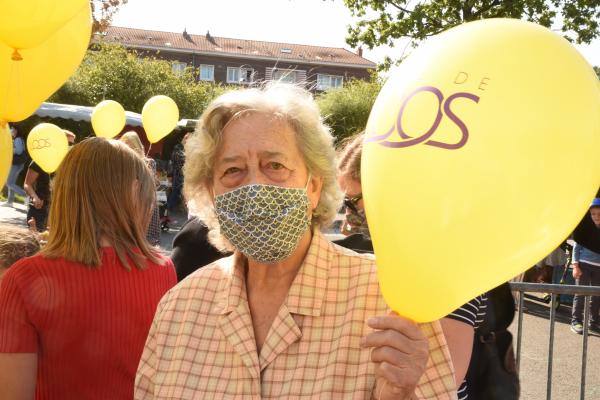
pixel 555 290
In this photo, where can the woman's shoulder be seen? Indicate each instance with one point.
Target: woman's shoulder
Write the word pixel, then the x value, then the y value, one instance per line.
pixel 210 278
pixel 348 258
pixel 30 269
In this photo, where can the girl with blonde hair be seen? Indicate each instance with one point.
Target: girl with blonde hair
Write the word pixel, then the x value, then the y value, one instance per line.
pixel 74 318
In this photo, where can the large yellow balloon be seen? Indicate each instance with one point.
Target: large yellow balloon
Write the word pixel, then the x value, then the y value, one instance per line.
pixel 480 157
pixel 108 119
pixel 47 145
pixel 25 84
pixel 6 152
pixel 27 23
pixel 159 116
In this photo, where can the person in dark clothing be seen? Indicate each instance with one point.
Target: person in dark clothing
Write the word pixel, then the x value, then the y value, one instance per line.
pixel 356 242
pixel 37 187
pixel 192 250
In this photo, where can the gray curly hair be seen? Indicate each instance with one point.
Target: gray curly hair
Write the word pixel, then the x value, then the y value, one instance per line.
pixel 292 104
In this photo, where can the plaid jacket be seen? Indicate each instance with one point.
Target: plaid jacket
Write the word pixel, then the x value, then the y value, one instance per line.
pixel 201 344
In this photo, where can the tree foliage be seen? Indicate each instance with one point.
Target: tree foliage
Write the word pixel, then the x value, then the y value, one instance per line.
pixel 381 22
pixel 103 11
pixel 110 71
pixel 597 69
pixel 346 110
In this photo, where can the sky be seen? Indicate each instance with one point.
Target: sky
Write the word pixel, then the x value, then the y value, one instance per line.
pixel 312 22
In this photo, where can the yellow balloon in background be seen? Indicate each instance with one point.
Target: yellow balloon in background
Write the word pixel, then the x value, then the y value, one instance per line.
pixel 108 119
pixel 25 84
pixel 6 152
pixel 26 24
pixel 159 116
pixel 480 157
pixel 47 145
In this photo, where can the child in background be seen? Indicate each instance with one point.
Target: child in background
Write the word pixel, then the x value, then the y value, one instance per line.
pixel 15 243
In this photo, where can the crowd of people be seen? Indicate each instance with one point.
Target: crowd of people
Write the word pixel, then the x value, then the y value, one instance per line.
pixel 266 306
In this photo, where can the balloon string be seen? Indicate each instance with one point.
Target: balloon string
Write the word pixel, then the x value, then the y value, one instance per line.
pixel 148 152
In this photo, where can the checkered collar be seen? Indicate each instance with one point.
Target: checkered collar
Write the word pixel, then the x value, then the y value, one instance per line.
pixel 308 288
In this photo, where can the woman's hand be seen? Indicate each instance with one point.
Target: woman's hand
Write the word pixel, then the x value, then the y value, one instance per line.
pixel 400 352
pixel 576 271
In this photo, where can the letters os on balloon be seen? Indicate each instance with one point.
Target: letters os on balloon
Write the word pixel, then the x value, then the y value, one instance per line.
pixel 39 144
pixel 443 109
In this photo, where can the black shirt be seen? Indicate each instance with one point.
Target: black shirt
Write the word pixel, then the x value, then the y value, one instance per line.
pixel 191 248
pixel 42 183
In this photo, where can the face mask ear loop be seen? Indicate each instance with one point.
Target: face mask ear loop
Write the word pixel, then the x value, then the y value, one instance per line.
pixel 308 181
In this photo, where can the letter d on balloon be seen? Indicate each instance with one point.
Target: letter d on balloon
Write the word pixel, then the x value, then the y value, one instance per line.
pixel 461 78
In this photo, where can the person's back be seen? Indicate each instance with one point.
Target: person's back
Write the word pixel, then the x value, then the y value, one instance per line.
pixel 74 318
pixel 88 325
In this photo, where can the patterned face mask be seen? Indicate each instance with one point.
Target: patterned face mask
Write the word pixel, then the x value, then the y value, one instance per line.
pixel 264 222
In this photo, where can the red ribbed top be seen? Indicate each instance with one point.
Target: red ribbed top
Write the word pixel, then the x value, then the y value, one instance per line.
pixel 88 326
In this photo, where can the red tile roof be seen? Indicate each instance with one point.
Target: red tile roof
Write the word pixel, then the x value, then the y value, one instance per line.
pixel 208 44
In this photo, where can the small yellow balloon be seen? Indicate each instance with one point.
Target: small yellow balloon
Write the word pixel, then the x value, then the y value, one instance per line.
pixel 25 84
pixel 26 24
pixel 465 148
pixel 108 119
pixel 159 116
pixel 6 152
pixel 47 145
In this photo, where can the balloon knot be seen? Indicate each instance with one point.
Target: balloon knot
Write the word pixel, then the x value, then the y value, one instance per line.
pixel 3 123
pixel 16 56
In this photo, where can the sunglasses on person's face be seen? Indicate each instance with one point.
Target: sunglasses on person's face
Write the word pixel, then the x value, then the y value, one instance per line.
pixel 352 202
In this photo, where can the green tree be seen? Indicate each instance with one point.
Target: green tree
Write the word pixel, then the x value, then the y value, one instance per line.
pixel 110 71
pixel 597 69
pixel 381 22
pixel 347 109
pixel 103 11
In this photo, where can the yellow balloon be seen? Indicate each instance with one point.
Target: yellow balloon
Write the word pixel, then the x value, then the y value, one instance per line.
pixel 47 145
pixel 159 116
pixel 6 152
pixel 26 24
pixel 108 119
pixel 25 84
pixel 480 157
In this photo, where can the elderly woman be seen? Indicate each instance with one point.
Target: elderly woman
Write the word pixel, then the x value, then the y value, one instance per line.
pixel 289 314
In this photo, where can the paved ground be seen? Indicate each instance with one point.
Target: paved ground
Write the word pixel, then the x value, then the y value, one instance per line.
pixel 534 359
pixel 567 356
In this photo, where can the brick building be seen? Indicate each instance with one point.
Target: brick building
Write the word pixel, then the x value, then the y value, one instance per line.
pixel 243 62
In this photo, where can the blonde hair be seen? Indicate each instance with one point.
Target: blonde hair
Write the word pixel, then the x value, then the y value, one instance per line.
pixel 293 105
pixel 132 140
pixel 349 156
pixel 16 243
pixel 90 203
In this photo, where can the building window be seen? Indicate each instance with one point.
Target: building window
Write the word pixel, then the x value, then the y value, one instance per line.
pixel 285 75
pixel 207 72
pixel 325 82
pixel 240 75
pixel 179 67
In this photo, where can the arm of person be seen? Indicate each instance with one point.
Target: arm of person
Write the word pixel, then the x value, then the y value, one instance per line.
pixel 18 342
pixel 18 374
pixel 400 352
pixel 459 336
pixel 575 263
pixel 30 179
